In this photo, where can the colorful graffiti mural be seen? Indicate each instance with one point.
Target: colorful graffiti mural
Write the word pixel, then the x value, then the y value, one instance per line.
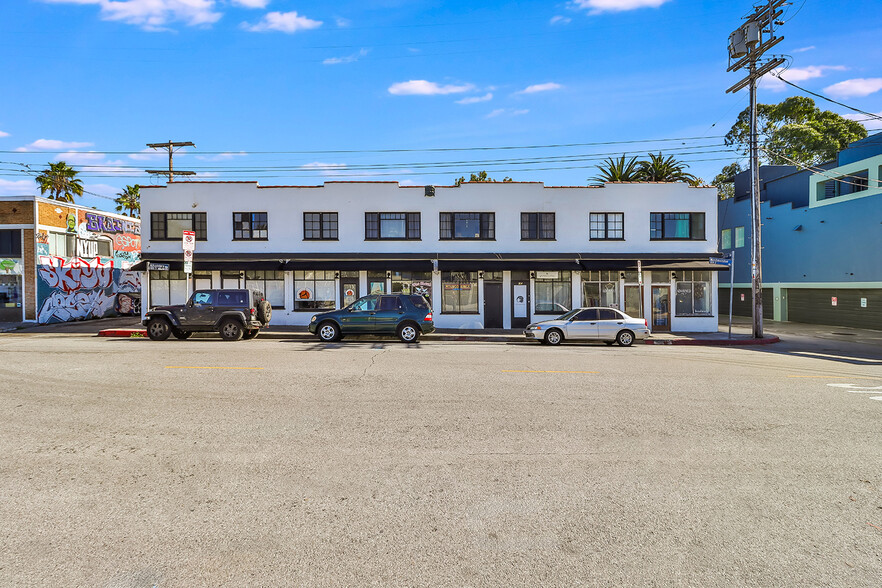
pixel 85 287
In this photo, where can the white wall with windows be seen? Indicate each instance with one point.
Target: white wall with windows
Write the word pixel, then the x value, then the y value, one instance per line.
pixel 355 220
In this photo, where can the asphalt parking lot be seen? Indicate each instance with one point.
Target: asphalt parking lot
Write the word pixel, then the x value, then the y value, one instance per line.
pixel 272 462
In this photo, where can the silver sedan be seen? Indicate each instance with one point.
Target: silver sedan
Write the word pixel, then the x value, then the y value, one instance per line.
pixel 605 324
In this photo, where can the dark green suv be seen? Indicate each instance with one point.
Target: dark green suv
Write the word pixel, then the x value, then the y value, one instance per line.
pixel 405 315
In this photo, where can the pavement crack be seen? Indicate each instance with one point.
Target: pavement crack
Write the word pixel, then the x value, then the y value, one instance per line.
pixel 371 364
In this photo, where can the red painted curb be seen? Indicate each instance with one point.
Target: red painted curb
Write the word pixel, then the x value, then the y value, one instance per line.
pixel 122 332
pixel 717 342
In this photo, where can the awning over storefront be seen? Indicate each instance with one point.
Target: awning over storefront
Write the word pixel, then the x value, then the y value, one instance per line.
pixel 426 261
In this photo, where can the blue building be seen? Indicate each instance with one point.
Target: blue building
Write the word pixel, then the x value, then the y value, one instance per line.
pixel 822 240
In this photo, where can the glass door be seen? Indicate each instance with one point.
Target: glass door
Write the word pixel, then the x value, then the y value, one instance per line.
pixel 661 308
pixel 348 288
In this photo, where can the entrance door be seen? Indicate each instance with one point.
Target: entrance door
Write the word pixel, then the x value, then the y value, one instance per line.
pixel 10 298
pixel 661 308
pixel 632 302
pixel 492 305
pixel 348 291
pixel 520 300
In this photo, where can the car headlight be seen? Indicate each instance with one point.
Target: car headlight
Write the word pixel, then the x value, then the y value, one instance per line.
pixel 312 320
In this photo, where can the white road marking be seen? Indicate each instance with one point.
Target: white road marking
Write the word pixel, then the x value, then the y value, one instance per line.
pixel 827 355
pixel 860 389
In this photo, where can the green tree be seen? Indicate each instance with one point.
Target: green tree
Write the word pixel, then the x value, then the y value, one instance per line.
pixel 795 131
pixel 617 170
pixel 60 180
pixel 480 177
pixel 659 168
pixel 725 180
pixel 129 200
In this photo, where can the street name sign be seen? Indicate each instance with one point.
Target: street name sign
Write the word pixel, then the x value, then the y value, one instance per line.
pixel 720 261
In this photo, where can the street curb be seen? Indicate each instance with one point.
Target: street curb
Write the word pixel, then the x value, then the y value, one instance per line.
pixel 714 342
pixel 128 333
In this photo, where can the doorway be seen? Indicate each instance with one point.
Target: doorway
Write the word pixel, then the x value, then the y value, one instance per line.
pixel 348 288
pixel 520 299
pixel 10 298
pixel 492 304
pixel 661 308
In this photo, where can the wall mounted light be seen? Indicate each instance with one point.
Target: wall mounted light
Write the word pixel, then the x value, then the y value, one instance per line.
pixel 480 275
pixel 389 274
pixel 674 276
pixel 532 275
pixel 336 275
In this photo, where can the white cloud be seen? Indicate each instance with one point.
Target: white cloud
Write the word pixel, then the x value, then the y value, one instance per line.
pixel 796 75
pixel 153 15
pixel 251 3
pixel 873 124
pixel 80 157
pixel 475 99
pixel 425 88
pixel 856 88
pixel 506 112
pixel 540 88
pixel 322 165
pixel 803 49
pixel 2 134
pixel 560 20
pixel 343 22
pixel 347 59
pixel 285 22
pixel 17 187
pixel 53 145
pixel 598 6
pixel 150 155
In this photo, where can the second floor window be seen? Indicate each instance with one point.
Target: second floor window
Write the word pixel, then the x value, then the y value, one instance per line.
pixel 392 225
pixel 537 226
pixel 606 225
pixel 468 225
pixel 319 226
pixel 170 226
pixel 673 226
pixel 250 226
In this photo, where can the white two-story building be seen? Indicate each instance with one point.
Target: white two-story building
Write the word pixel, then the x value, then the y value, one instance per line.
pixel 486 255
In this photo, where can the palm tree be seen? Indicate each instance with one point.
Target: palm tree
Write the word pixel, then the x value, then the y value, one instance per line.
pixel 617 170
pixel 60 180
pixel 665 169
pixel 129 199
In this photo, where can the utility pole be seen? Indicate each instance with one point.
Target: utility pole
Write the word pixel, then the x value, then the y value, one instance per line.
pixel 746 47
pixel 170 146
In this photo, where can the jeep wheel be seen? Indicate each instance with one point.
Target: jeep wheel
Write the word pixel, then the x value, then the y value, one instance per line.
pixel 231 330
pixel 264 311
pixel 158 329
pixel 250 334
pixel 409 333
pixel 179 334
pixel 328 331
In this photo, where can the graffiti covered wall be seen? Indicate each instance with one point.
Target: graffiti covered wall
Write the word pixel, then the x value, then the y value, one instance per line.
pixel 84 284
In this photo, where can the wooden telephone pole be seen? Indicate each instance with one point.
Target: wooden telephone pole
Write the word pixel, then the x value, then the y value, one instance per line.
pixel 170 146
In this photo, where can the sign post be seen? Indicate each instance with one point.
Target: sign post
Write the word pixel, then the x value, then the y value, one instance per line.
pixel 188 242
pixel 728 260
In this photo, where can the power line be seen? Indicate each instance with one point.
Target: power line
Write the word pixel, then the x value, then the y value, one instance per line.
pixel 820 171
pixel 870 114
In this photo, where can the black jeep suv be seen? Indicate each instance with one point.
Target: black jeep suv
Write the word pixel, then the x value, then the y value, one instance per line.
pixel 235 314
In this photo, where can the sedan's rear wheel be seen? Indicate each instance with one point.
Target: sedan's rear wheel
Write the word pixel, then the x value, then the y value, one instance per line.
pixel 554 337
pixel 409 333
pixel 625 338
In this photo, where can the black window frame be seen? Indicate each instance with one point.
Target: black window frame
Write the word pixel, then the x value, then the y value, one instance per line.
pixel 373 224
pixel 253 217
pixel 657 222
pixel 486 230
pixel 324 223
pixel 534 226
pixel 10 242
pixel 606 226
pixel 198 224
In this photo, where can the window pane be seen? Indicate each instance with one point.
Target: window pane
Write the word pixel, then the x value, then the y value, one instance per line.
pixel 615 226
pixel 726 239
pixel 697 221
pixel 393 226
pixel 467 226
pixel 684 298
pixel 176 224
pixel 739 236
pixel 676 226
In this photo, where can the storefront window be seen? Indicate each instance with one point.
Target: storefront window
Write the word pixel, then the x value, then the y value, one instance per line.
pixel 694 293
pixel 271 283
pixel 459 292
pixel 201 280
pixel 412 283
pixel 167 288
pixel 600 288
pixel 660 277
pixel 376 282
pixel 554 292
pixel 230 279
pixel 314 290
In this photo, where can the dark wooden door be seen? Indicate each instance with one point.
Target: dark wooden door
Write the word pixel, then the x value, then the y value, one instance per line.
pixel 492 305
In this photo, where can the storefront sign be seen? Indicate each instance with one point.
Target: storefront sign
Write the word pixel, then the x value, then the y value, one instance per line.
pixel 349 292
pixel 157 267
pixel 304 294
pixel 10 267
pixel 547 275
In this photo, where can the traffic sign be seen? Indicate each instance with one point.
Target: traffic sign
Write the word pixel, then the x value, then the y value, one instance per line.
pixel 189 240
pixel 188 255
pixel 188 267
pixel 720 261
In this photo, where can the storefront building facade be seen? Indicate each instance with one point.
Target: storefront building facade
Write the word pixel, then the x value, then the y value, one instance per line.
pixel 486 255
pixel 62 262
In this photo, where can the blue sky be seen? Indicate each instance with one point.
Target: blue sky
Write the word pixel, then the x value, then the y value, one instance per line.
pixel 290 92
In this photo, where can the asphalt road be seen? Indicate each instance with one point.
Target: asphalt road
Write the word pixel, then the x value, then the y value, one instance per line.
pixel 129 463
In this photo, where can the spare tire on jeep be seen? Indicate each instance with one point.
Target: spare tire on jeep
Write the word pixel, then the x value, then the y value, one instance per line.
pixel 264 311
